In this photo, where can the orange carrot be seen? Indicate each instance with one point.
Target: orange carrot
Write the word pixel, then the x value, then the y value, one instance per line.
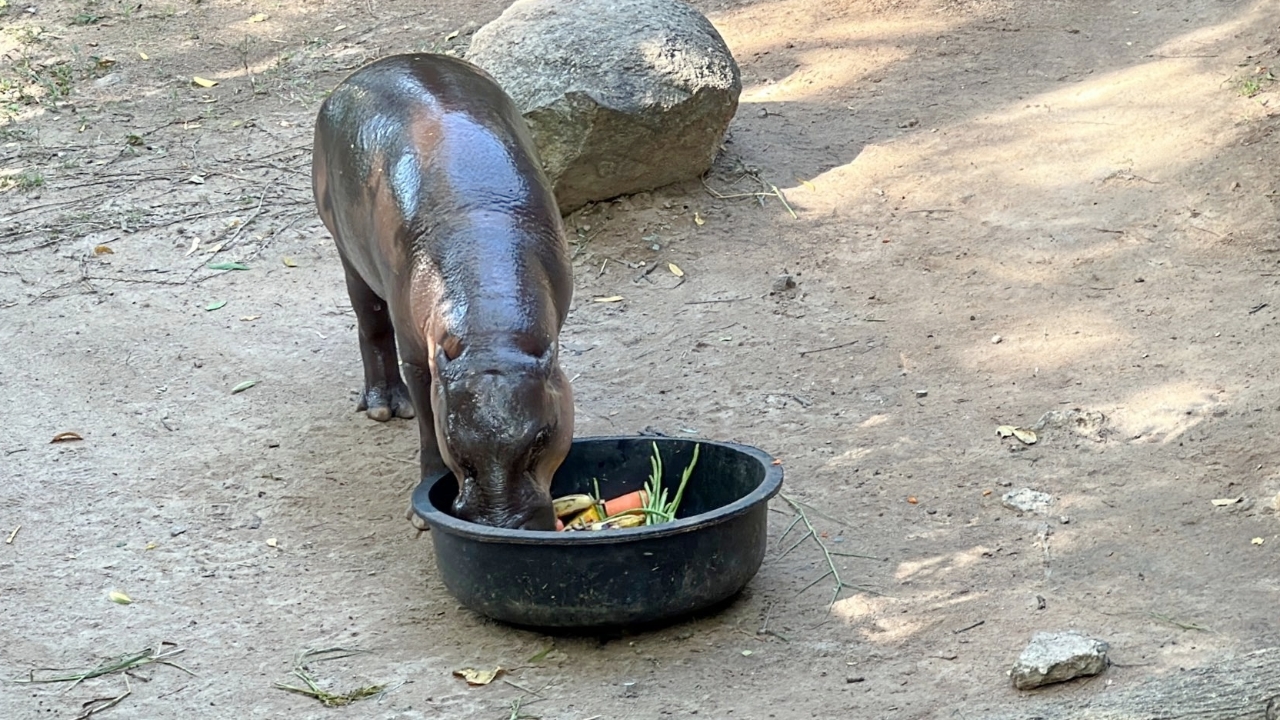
pixel 630 501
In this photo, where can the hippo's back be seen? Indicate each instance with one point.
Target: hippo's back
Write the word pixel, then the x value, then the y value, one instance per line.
pixel 422 161
pixel 436 117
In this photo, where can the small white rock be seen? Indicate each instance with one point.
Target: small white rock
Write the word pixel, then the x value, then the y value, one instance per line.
pixel 996 339
pixel 1027 500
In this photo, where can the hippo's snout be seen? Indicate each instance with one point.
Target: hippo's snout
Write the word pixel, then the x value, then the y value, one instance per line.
pixel 534 513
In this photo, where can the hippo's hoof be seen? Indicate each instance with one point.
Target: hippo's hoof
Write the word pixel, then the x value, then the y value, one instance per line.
pixel 381 404
pixel 416 520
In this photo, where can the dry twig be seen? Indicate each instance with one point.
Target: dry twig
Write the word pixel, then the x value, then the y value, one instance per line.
pixel 313 688
pixel 158 655
pixel 811 532
pixel 768 190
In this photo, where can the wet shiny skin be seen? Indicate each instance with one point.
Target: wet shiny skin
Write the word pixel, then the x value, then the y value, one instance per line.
pixel 425 175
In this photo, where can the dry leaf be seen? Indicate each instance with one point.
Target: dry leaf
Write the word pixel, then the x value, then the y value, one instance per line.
pixel 103 250
pixel 1223 502
pixel 203 82
pixel 151 546
pixel 611 298
pixel 65 437
pixel 249 318
pixel 143 55
pixel 747 653
pixel 675 269
pixel 451 36
pixel 809 185
pixel 478 677
pixel 258 17
pixel 213 250
pixel 697 219
pixel 340 28
pixel 288 261
pixel 912 500
pixel 271 542
pixel 195 180
pixel 195 245
pixel 986 493
pixel 118 597
pixel 215 305
pixel 243 386
pixel 1026 436
pixel 1257 541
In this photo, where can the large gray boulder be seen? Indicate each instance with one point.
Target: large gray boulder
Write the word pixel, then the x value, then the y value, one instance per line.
pixel 622 96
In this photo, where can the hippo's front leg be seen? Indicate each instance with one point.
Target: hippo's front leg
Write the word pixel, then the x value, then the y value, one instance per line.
pixel 418 380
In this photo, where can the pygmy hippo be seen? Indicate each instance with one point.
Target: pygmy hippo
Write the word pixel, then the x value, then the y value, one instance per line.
pixel 426 175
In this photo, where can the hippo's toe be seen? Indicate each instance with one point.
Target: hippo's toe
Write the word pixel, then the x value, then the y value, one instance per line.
pixel 382 404
pixel 416 520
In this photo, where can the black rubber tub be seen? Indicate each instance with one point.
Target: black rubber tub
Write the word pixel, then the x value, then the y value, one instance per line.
pixel 614 578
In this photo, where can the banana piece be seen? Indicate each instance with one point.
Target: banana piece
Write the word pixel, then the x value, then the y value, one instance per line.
pixel 584 519
pixel 570 505
pixel 619 521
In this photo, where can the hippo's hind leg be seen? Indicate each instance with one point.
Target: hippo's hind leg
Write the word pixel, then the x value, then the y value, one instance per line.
pixel 385 395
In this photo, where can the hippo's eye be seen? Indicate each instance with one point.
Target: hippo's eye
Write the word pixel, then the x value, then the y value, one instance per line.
pixel 538 445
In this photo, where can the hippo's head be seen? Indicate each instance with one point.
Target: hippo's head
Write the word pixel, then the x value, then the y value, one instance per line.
pixel 504 422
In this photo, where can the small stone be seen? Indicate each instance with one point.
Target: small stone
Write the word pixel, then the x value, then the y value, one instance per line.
pixel 854 679
pixel 996 339
pixel 1027 500
pixel 177 530
pixel 1057 657
pixel 783 283
pixel 1064 519
pixel 108 80
pixel 922 393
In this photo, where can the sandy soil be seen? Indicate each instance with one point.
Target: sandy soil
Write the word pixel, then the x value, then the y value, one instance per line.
pixel 1001 208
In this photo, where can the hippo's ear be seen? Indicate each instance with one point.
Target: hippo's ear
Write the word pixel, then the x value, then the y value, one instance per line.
pixel 547 360
pixel 447 350
pixel 442 362
pixel 452 346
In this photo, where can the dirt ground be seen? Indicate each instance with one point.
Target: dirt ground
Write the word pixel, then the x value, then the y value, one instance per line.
pixel 1002 208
